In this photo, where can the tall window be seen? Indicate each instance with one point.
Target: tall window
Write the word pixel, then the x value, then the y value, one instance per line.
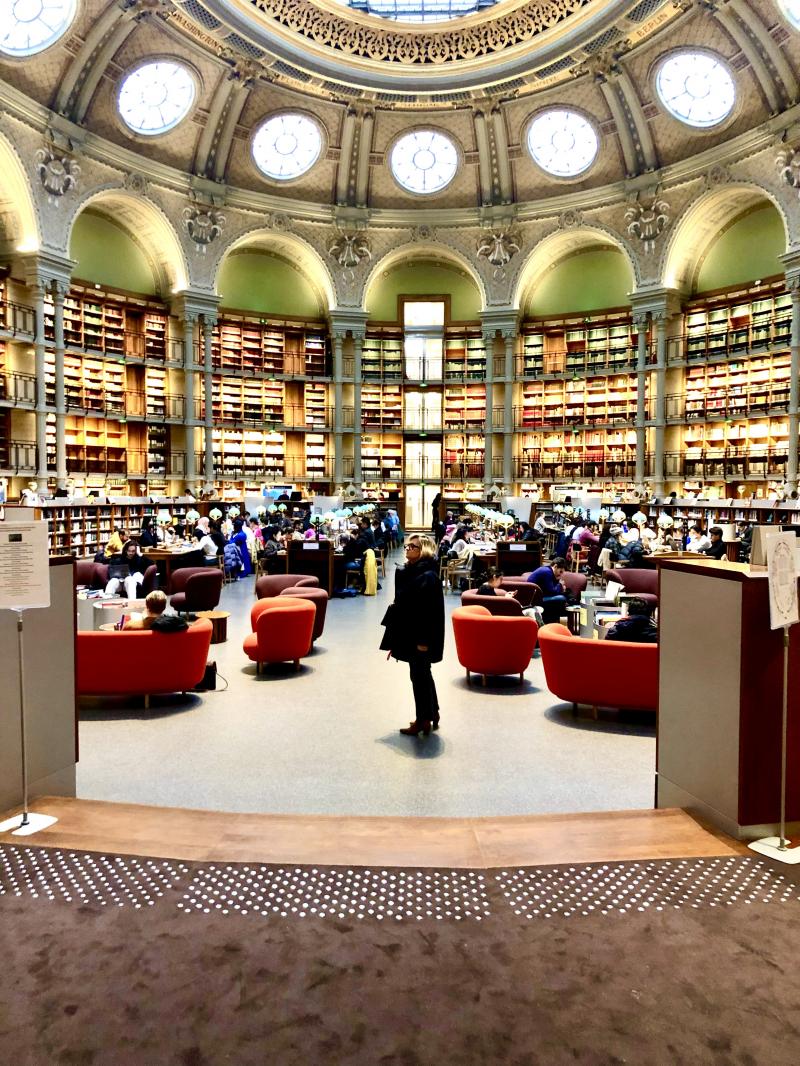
pixel 423 339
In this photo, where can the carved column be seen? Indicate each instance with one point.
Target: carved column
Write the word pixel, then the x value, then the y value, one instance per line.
pixel 338 438
pixel 640 322
pixel 59 291
pixel 364 149
pixel 488 447
pixel 37 290
pixel 190 415
pixel 509 341
pixel 793 285
pixel 358 346
pixel 208 465
pixel 660 319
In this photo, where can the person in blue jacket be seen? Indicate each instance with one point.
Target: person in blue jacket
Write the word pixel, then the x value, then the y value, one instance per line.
pixel 554 593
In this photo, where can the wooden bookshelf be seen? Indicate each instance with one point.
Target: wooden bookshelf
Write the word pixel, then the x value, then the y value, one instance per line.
pixel 606 400
pixel 382 355
pixel 465 407
pixel 464 355
pixel 382 458
pixel 247 401
pixel 463 457
pixel 725 325
pixel 574 345
pixel 241 454
pixel 381 406
pixel 565 455
pixel 260 347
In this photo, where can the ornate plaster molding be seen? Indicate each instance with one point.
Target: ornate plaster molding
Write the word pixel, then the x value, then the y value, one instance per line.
pixel 57 173
pixel 203 224
pixel 647 219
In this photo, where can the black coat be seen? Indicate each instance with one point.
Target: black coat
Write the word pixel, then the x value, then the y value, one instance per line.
pixel 417 614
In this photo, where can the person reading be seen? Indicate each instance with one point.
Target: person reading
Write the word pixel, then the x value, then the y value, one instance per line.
pixel 154 605
pixel 638 627
pixel 554 593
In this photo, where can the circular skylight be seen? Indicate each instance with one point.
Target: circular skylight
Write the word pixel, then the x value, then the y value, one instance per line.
pixel 419 10
pixel 30 26
pixel 424 161
pixel 286 146
pixel 155 97
pixel 696 88
pixel 791 9
pixel 562 142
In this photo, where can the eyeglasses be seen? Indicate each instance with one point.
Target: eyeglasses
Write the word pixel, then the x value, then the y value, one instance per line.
pixel 413 548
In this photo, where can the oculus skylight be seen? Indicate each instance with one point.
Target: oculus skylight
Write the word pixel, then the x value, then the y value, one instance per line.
pixel 791 9
pixel 30 26
pixel 424 161
pixel 562 142
pixel 286 146
pixel 696 88
pixel 419 10
pixel 155 97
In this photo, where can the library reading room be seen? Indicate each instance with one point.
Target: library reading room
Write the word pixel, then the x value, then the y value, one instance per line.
pixel 340 339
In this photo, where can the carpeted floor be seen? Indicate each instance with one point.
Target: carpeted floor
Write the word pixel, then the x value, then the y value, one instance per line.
pixel 116 960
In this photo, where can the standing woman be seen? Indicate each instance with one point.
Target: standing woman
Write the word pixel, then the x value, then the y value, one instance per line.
pixel 435 516
pixel 415 628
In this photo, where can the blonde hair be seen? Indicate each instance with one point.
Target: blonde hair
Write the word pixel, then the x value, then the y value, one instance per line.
pixel 155 601
pixel 427 546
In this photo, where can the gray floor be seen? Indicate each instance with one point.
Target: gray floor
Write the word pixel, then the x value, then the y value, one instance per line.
pixel 326 741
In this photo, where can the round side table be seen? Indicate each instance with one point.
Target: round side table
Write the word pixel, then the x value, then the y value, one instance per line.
pixel 219 624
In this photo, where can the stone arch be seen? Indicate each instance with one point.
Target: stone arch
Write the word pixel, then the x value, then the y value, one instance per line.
pixel 418 250
pixel 298 253
pixel 149 226
pixel 18 214
pixel 703 220
pixel 555 246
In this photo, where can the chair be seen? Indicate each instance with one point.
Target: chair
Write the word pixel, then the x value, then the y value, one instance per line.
pixel 636 582
pixel 91 574
pixel 274 584
pixel 319 597
pixel 497 605
pixel 283 628
pixel 460 570
pixel 491 645
pixel 195 588
pixel 149 580
pixel 600 673
pixel 528 594
pixel 575 583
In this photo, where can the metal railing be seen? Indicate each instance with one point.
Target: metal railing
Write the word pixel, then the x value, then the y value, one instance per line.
pixel 751 400
pixel 17 318
pixel 734 463
pixel 297 468
pixel 584 414
pixel 21 456
pixel 564 363
pixel 567 467
pixel 731 341
pixel 17 388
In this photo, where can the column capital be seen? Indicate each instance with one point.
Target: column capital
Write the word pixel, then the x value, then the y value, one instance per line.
pixel 500 319
pixel 195 302
pixel 43 269
pixel 659 302
pixel 343 320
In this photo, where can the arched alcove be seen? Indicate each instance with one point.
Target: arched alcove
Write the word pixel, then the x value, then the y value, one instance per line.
pixel 590 279
pixel 577 270
pixel 254 279
pixel 146 227
pixel 746 250
pixel 106 253
pixel 19 229
pixel 423 277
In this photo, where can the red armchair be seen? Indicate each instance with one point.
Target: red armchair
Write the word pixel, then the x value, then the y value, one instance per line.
pixel 498 606
pixel 319 597
pixel 95 576
pixel 283 627
pixel 196 588
pixel 600 673
pixel 491 645
pixel 636 582
pixel 274 584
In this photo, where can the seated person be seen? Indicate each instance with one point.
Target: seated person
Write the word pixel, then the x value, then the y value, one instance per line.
pixel 115 544
pixel 206 543
pixel 232 559
pixel 716 549
pixel 126 569
pixel 638 627
pixel 353 552
pixel 491 587
pixel 554 593
pixel 154 605
pixel 697 541
pixel 589 536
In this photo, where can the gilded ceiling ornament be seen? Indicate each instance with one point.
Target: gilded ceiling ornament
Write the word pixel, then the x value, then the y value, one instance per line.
pixel 647 220
pixel 348 248
pixel 434 45
pixel 203 224
pixel 604 65
pixel 788 163
pixel 570 219
pixel 58 174
pixel 498 247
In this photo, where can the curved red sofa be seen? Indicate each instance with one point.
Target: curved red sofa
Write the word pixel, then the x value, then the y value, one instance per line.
pixel 601 673
pixel 141 662
pixel 499 606
pixel 282 630
pixel 274 584
pixel 489 644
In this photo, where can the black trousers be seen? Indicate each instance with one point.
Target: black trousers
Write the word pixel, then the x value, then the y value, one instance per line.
pixel 426 702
